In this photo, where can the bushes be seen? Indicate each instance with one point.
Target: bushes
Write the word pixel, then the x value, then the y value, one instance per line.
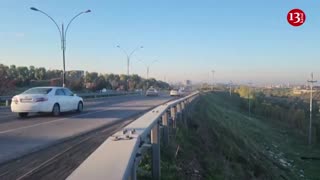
pixel 291 111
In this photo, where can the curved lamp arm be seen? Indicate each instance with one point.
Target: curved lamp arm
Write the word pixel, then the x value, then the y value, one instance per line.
pixel 60 33
pixel 137 48
pixel 153 62
pixel 143 63
pixel 124 51
pixel 65 33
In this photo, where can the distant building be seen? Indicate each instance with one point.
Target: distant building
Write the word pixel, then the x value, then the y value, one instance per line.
pixel 187 83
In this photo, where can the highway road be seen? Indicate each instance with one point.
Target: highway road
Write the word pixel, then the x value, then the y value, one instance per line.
pixel 22 136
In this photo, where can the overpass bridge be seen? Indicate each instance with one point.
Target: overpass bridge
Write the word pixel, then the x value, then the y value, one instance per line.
pixel 107 141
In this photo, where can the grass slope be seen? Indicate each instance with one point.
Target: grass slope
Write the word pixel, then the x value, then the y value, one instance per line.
pixel 221 142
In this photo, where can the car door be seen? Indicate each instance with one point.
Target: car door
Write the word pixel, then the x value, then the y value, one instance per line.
pixel 61 99
pixel 71 100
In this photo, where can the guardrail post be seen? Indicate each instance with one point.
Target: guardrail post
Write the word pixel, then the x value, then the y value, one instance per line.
pixel 133 175
pixel 179 111
pixel 165 128
pixel 183 111
pixel 187 104
pixel 183 105
pixel 7 102
pixel 155 141
pixel 173 116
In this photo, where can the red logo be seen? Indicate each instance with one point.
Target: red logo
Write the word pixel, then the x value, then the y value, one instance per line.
pixel 296 17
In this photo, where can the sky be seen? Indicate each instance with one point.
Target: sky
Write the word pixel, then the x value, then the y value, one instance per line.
pixel 242 41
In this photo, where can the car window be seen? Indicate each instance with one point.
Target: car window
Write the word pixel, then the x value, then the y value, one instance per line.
pixel 38 91
pixel 67 92
pixel 60 92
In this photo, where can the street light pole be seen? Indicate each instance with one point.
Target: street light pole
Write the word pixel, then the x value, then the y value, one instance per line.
pixel 129 56
pixel 63 57
pixel 249 92
pixel 148 66
pixel 230 90
pixel 311 101
pixel 212 79
pixel 63 37
pixel 148 69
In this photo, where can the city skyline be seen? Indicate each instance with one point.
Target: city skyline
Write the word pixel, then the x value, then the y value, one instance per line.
pixel 241 41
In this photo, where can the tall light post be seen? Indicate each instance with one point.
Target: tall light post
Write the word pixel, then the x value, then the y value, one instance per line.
pixel 148 66
pixel 311 101
pixel 63 37
pixel 249 92
pixel 212 79
pixel 128 55
pixel 230 88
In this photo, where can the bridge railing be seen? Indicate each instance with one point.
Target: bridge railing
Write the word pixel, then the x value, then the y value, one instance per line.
pixel 119 156
pixel 7 99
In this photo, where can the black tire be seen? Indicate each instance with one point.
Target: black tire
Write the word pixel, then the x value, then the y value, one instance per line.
pixel 56 110
pixel 80 107
pixel 23 115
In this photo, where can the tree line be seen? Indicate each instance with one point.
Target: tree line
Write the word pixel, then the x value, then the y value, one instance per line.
pixel 12 77
pixel 294 111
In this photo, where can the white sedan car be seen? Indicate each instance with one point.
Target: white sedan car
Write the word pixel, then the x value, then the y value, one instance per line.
pixel 174 92
pixel 46 99
pixel 152 92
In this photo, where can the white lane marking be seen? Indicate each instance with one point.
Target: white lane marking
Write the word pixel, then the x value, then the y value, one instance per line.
pixel 48 122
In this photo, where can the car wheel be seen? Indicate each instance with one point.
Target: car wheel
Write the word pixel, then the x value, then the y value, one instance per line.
pixel 23 115
pixel 56 110
pixel 80 107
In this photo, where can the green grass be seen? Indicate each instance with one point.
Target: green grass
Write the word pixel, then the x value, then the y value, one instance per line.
pixel 221 142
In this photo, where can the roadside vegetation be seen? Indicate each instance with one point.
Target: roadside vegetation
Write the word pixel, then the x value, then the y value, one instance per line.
pixel 15 79
pixel 292 111
pixel 221 141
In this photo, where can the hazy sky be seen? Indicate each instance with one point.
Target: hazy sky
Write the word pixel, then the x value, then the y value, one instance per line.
pixel 241 40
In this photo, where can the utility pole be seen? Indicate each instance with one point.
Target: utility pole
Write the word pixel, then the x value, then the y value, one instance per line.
pixel 311 96
pixel 212 79
pixel 230 91
pixel 249 92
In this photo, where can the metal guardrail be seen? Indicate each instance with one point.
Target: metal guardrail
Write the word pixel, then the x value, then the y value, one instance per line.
pixel 7 99
pixel 119 156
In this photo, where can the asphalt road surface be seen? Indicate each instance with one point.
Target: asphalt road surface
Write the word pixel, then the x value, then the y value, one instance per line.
pixel 22 136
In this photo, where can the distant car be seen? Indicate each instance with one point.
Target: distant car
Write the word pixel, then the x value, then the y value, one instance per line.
pixel 104 90
pixel 174 92
pixel 152 92
pixel 46 99
pixel 182 92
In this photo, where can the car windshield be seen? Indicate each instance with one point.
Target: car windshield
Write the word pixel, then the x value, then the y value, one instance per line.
pixel 38 91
